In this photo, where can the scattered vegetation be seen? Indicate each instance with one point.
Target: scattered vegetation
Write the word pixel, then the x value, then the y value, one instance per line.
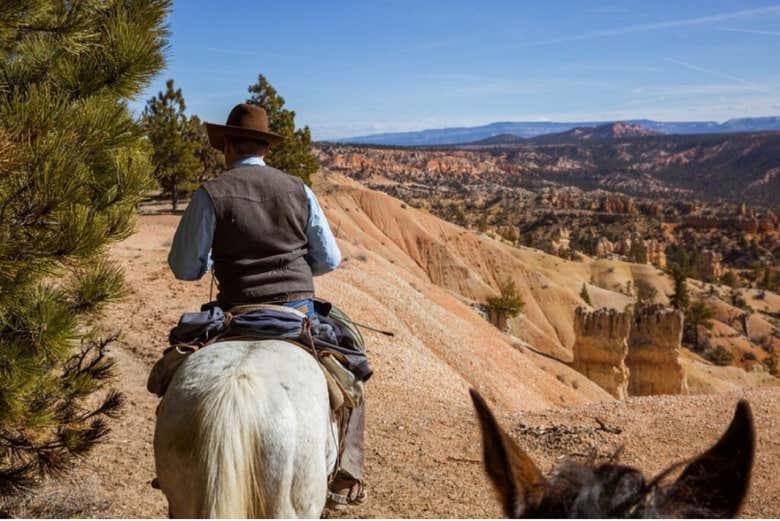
pixel 737 300
pixel 771 365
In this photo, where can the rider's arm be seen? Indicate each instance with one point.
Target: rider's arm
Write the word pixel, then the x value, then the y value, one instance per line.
pixel 324 254
pixel 189 257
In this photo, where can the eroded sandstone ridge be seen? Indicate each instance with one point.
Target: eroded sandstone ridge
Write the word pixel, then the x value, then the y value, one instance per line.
pixel 631 354
pixel 654 352
pixel 601 348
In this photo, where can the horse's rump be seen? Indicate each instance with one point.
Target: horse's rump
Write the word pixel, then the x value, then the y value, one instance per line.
pixel 244 430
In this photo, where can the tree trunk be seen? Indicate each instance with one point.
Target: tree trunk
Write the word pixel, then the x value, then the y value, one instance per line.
pixel 175 197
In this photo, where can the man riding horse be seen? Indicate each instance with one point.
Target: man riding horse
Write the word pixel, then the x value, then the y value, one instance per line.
pixel 266 237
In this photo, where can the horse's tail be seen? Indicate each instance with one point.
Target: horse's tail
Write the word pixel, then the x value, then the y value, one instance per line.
pixel 230 449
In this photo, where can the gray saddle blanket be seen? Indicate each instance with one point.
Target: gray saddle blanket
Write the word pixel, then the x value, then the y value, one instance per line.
pixel 332 331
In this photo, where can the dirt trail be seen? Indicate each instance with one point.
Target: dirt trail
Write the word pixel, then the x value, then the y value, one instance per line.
pixel 422 441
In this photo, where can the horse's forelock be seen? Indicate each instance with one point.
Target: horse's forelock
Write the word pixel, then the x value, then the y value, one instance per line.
pixel 597 491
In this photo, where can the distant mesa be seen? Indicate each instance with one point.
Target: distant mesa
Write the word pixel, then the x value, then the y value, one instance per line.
pixel 606 132
pixel 501 139
pixel 617 130
pixel 532 129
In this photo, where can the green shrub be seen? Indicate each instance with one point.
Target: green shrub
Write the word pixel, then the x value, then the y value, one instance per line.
pixel 584 295
pixel 508 303
pixel 719 356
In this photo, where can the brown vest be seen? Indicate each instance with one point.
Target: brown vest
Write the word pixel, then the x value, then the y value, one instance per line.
pixel 260 236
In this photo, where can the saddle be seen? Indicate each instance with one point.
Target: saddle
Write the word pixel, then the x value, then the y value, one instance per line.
pixel 212 326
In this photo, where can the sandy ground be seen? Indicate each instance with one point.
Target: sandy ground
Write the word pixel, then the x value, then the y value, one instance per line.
pixel 422 443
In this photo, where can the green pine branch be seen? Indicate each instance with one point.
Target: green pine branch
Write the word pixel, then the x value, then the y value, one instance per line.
pixel 73 165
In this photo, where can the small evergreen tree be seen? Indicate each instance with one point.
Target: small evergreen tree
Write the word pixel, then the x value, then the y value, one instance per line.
pixel 584 295
pixel 73 166
pixel 482 222
pixel 645 293
pixel 719 355
pixel 176 166
pixel 294 154
pixel 737 300
pixel 697 314
pixel 638 251
pixel 770 362
pixel 679 299
pixel 729 279
pixel 507 305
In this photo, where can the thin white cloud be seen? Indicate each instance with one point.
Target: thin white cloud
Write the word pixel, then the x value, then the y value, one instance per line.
pixel 718 74
pixel 666 24
pixel 750 31
pixel 610 67
pixel 675 90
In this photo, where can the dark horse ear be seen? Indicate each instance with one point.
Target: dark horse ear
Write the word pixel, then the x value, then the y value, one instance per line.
pixel 715 484
pixel 515 476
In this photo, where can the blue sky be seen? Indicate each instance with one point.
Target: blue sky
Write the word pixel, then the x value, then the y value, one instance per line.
pixel 351 68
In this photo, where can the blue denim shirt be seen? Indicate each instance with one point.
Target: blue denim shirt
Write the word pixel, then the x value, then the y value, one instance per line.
pixel 190 255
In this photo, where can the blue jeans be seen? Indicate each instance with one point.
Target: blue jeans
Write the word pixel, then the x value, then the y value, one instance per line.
pixel 300 304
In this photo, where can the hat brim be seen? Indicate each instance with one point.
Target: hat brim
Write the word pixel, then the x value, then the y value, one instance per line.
pixel 217 134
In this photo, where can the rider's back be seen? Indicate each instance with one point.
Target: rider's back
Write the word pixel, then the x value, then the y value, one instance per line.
pixel 260 238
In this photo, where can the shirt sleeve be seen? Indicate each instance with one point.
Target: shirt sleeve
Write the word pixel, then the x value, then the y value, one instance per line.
pixel 324 255
pixel 190 256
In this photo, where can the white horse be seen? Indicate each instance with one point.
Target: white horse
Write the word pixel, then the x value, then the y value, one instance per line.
pixel 245 431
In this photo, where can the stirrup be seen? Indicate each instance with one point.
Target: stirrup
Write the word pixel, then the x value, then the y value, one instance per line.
pixel 349 499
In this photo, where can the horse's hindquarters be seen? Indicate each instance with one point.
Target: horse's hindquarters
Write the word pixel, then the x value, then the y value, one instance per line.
pixel 244 430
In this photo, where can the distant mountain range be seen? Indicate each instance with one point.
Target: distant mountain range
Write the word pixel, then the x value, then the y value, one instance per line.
pixel 530 129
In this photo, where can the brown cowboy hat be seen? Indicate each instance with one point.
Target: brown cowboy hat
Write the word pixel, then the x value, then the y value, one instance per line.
pixel 245 121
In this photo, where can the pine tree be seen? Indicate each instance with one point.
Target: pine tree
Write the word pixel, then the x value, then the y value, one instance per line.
pixel 679 299
pixel 645 293
pixel 729 279
pixel 509 303
pixel 638 251
pixel 294 154
pixel 211 160
pixel 584 295
pixel 697 314
pixel 176 166
pixel 73 166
